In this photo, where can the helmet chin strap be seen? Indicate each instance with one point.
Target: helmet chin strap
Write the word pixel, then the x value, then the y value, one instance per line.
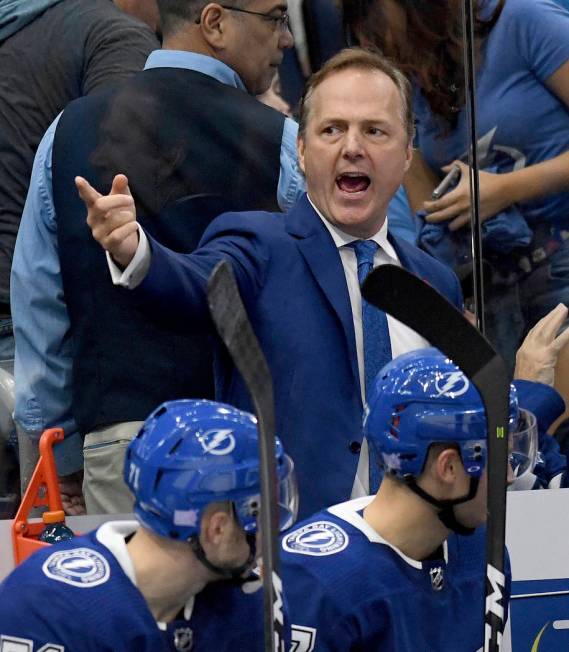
pixel 235 573
pixel 446 507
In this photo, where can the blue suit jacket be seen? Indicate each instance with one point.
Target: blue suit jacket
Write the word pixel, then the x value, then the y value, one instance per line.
pixel 292 281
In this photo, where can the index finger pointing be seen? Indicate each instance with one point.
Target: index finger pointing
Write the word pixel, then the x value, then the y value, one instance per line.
pixel 86 191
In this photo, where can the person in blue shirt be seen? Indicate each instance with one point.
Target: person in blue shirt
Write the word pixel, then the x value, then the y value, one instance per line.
pixel 522 102
pixel 180 579
pixel 187 125
pixel 404 570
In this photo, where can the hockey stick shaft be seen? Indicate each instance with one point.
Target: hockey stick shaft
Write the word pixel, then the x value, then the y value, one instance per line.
pixel 416 304
pixel 234 328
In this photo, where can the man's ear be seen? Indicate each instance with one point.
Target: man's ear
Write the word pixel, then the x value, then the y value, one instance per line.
pixel 300 151
pixel 408 157
pixel 448 466
pixel 212 24
pixel 214 527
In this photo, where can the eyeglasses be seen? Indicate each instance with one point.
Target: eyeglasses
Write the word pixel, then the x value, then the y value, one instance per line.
pixel 281 21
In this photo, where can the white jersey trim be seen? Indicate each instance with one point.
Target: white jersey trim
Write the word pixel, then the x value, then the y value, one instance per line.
pixel 348 511
pixel 112 535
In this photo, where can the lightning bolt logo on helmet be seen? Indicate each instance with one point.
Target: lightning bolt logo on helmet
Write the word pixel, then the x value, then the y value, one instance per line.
pixel 452 383
pixel 218 441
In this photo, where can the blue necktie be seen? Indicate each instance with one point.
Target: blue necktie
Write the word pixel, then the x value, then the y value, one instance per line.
pixel 377 345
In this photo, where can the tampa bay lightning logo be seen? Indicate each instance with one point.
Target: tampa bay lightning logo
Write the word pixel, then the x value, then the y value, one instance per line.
pixel 219 441
pixel 80 567
pixel 452 383
pixel 317 539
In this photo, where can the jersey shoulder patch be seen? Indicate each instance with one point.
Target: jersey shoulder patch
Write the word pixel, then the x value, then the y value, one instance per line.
pixel 81 567
pixel 318 539
pixel 16 644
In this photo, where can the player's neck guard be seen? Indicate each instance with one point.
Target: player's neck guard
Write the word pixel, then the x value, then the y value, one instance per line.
pixel 225 573
pixel 446 507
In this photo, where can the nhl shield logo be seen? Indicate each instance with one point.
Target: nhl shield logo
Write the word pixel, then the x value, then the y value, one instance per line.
pixel 317 539
pixel 183 639
pixel 437 578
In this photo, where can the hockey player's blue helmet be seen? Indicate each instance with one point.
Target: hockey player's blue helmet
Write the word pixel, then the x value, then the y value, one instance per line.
pixel 191 453
pixel 421 398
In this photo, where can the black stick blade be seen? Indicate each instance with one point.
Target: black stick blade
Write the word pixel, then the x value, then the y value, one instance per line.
pixel 234 328
pixel 419 306
pixel 416 304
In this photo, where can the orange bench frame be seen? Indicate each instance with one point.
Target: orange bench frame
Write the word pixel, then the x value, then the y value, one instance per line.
pixel 42 491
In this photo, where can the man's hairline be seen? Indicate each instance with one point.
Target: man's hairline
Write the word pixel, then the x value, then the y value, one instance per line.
pixel 365 68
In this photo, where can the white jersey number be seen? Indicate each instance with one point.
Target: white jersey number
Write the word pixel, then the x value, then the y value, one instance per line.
pixel 303 638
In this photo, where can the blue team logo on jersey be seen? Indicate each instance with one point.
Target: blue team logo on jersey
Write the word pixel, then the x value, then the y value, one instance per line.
pixel 318 539
pixel 80 567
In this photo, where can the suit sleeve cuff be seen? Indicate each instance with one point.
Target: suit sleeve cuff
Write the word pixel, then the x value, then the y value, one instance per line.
pixel 133 275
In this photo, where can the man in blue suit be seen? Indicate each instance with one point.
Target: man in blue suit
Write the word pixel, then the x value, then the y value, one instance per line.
pixel 299 273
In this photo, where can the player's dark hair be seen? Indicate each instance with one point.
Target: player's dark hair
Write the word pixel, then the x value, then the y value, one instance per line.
pixel 362 59
pixel 435 449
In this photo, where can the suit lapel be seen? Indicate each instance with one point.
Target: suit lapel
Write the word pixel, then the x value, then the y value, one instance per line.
pixel 323 259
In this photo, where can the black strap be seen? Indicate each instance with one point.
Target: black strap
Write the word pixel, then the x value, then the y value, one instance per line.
pixel 226 573
pixel 446 507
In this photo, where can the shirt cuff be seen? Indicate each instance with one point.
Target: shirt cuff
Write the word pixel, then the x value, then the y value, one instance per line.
pixel 137 269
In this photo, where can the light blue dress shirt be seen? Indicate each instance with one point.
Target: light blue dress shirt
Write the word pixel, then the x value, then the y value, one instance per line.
pixel 43 360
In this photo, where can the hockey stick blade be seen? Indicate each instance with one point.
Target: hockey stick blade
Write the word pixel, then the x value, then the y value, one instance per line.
pixel 234 328
pixel 417 305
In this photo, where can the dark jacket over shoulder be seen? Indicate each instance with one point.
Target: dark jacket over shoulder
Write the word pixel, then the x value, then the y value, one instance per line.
pixel 191 147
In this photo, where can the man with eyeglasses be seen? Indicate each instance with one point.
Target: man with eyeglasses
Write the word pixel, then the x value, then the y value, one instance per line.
pixel 194 143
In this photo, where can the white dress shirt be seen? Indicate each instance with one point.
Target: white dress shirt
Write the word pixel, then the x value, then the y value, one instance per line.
pixel 403 339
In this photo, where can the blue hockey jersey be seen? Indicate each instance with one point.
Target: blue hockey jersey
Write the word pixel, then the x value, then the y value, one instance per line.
pixel 80 596
pixel 349 590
